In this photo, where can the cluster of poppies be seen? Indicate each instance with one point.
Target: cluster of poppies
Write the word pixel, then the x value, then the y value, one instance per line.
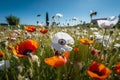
pixel 96 70
pixel 33 28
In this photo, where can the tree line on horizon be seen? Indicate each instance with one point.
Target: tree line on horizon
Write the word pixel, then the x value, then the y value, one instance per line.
pixel 15 21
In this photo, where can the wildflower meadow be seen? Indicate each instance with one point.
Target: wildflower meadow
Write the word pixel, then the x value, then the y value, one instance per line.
pixel 60 53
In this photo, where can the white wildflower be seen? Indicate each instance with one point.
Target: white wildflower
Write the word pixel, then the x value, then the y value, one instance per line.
pixel 109 23
pixel 60 41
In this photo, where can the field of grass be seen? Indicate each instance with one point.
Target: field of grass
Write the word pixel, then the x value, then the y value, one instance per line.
pixel 104 51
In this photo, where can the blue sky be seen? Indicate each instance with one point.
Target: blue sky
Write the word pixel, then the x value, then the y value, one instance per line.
pixel 27 10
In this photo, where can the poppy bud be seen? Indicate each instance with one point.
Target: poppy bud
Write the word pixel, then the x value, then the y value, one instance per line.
pixel 93 51
pixel 76 49
pixel 117 68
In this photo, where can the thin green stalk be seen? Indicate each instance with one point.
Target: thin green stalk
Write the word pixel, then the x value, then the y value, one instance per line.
pixel 5 70
pixel 103 40
pixel 112 58
pixel 58 74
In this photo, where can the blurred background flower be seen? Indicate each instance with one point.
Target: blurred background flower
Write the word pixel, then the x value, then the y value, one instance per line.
pixel 109 23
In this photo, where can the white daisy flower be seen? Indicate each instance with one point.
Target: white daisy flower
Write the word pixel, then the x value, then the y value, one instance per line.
pixel 94 29
pixel 60 41
pixel 98 38
pixel 109 23
pixel 105 41
pixel 59 15
pixel 96 33
pixel 17 32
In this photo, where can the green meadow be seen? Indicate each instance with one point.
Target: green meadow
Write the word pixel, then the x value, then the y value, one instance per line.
pixel 106 52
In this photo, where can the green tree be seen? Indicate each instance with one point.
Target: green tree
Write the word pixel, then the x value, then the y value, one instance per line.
pixel 47 19
pixel 12 20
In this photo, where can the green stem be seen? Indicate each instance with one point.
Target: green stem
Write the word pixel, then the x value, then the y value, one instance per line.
pixel 5 70
pixel 103 40
pixel 58 74
pixel 112 58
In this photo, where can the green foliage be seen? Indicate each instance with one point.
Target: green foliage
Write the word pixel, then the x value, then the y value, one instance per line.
pixel 12 20
pixel 47 19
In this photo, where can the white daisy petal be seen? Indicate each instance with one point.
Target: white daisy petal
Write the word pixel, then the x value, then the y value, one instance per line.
pixel 67 48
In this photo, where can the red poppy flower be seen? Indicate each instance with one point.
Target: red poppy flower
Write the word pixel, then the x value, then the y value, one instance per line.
pixel 43 30
pixel 25 47
pixel 30 28
pixel 1 54
pixel 117 68
pixel 94 51
pixel 98 71
pixel 76 49
pixel 57 61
